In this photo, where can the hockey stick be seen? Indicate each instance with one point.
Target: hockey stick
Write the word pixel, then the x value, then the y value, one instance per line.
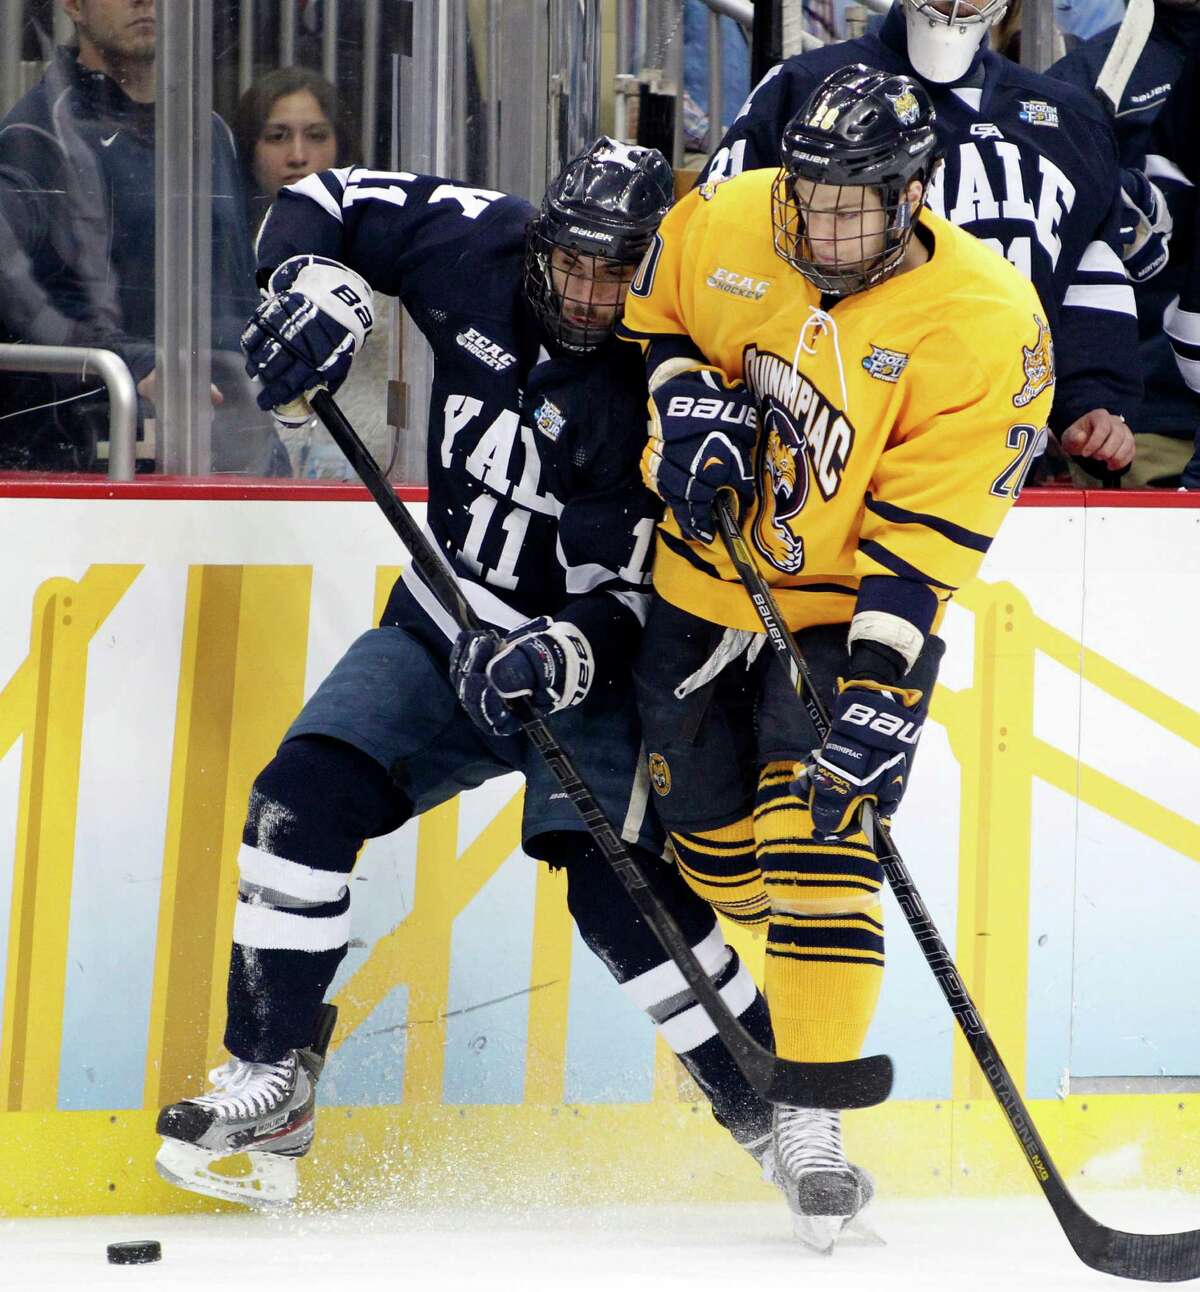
pixel 1124 53
pixel 1162 1258
pixel 855 1084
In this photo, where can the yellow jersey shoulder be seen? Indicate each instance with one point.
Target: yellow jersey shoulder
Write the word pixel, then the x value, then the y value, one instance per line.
pixel 988 310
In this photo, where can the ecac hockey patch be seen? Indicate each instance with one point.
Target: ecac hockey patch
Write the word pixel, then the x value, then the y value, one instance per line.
pixel 732 283
pixel 549 419
pixel 1038 113
pixel 887 365
pixel 486 350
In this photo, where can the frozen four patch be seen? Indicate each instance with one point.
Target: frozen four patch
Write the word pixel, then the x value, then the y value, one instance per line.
pixel 887 365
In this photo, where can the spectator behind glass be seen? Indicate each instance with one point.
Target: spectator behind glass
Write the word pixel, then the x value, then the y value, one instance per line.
pixel 286 127
pixel 77 230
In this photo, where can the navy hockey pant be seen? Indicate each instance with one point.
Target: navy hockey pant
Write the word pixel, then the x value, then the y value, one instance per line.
pixel 312 808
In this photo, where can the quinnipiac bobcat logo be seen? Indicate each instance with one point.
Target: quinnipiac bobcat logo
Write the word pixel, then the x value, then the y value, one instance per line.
pixel 660 774
pixel 1038 362
pixel 782 474
pixel 905 106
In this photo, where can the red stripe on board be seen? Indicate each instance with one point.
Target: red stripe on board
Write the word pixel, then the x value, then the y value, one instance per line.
pixel 264 489
pixel 235 489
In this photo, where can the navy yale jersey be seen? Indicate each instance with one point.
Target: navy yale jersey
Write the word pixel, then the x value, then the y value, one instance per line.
pixel 534 494
pixel 1031 169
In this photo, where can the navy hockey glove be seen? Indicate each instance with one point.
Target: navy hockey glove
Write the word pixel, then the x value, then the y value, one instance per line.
pixel 1146 226
pixel 866 756
pixel 701 439
pixel 549 663
pixel 325 313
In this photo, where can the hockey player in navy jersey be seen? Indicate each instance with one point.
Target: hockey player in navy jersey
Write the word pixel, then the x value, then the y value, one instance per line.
pixel 1158 199
pixel 536 425
pixel 1031 169
pixel 1175 134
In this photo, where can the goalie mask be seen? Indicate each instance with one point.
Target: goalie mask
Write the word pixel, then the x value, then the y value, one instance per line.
pixel 839 204
pixel 595 224
pixel 945 35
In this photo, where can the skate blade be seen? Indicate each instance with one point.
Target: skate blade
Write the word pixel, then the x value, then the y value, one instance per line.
pixel 860 1233
pixel 818 1233
pixel 271 1181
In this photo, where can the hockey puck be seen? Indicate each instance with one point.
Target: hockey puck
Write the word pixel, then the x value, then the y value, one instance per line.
pixel 143 1253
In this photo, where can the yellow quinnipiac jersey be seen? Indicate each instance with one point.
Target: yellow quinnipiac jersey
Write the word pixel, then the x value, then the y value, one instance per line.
pixel 895 425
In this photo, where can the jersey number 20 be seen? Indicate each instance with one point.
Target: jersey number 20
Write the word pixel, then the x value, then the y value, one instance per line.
pixel 1028 441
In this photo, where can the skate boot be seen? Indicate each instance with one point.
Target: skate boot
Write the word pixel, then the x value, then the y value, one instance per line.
pixel 806 1163
pixel 264 1110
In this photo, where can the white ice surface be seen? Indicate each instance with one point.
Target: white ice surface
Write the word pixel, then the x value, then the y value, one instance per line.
pixel 958 1246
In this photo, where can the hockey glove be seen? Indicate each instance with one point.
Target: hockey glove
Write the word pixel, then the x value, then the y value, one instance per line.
pixel 1146 226
pixel 324 312
pixel 550 663
pixel 702 434
pixel 865 757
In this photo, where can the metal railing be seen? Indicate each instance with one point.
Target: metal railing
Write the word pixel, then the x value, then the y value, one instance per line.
pixel 84 362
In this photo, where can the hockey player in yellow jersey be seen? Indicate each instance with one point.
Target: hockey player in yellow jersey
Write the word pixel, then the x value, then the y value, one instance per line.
pixel 873 383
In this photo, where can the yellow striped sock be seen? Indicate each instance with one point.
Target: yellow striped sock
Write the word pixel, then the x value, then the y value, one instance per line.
pixel 719 865
pixel 824 963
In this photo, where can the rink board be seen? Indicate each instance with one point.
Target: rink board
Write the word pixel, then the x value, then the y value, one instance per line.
pixel 155 648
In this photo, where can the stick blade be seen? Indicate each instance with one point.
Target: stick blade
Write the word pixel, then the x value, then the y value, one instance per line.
pixel 857 1083
pixel 1152 1258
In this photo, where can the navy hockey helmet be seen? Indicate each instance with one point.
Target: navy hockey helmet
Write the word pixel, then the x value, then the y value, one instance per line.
pixel 839 206
pixel 595 223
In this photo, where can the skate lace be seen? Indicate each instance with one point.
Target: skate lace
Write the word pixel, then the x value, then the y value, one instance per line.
pixel 809 1139
pixel 243 1089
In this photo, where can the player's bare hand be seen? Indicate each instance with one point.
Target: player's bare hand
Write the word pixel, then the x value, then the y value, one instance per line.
pixel 1100 435
pixel 148 389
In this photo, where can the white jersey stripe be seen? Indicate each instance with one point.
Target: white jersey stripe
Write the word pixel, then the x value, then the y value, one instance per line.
pixel 1100 258
pixel 1101 296
pixel 312 187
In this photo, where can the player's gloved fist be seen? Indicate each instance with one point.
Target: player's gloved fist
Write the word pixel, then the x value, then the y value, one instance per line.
pixel 866 756
pixel 549 663
pixel 314 320
pixel 702 435
pixel 1146 226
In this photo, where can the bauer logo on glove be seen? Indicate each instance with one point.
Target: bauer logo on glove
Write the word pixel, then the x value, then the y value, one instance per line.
pixel 315 319
pixel 702 434
pixel 546 662
pixel 866 757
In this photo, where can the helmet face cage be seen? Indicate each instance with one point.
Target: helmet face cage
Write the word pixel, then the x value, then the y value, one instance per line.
pixel 859 237
pixel 839 206
pixel 577 295
pixel 960 13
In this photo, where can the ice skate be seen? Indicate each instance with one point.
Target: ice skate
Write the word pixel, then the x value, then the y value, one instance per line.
pixel 824 1192
pixel 263 1110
